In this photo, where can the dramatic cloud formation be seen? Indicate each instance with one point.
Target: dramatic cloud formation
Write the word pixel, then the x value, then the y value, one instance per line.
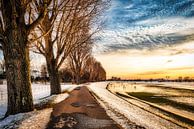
pixel 139 24
pixel 148 38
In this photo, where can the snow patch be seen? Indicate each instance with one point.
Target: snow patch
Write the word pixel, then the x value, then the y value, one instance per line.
pixel 31 120
pixel 40 92
pixel 37 121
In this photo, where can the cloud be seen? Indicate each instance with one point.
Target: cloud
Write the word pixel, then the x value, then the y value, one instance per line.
pixel 176 53
pixel 181 68
pixel 148 24
pixel 127 39
pixel 153 73
pixel 129 12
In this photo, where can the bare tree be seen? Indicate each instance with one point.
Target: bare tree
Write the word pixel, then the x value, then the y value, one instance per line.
pixel 101 73
pixel 97 72
pixel 78 59
pixel 14 31
pixel 84 67
pixel 70 21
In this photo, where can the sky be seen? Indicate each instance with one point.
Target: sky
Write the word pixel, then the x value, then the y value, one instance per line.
pixel 147 39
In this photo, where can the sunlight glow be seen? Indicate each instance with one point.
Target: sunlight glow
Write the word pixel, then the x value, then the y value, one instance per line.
pixel 172 61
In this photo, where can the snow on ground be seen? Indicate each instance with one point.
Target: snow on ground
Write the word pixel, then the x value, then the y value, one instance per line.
pixel 119 106
pixel 31 120
pixel 37 121
pixel 181 85
pixel 43 96
pixel 34 119
pixel 40 92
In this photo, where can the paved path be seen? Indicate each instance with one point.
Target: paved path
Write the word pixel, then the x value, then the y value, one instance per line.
pixel 80 111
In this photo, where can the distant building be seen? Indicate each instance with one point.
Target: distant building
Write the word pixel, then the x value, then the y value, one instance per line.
pixel 115 79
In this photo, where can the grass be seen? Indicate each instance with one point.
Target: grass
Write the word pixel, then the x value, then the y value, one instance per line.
pixel 191 91
pixel 167 113
pixel 160 100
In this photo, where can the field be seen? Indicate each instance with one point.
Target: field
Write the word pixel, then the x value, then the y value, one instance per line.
pixel 171 101
pixel 39 91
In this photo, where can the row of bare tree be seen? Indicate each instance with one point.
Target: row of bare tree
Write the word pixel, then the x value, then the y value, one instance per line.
pixel 83 67
pixel 79 67
pixel 53 28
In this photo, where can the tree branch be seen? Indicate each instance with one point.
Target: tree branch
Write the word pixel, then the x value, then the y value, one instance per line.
pixel 41 16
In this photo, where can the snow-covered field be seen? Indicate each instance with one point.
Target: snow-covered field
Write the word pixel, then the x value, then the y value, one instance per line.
pixel 35 119
pixel 123 111
pixel 39 92
pixel 181 92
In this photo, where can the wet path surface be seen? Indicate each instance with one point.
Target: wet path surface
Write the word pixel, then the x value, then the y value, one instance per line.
pixel 80 111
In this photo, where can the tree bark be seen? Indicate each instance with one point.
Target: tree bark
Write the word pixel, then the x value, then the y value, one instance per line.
pixel 16 55
pixel 54 77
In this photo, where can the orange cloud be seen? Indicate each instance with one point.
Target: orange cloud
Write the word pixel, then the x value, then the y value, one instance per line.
pixel 150 64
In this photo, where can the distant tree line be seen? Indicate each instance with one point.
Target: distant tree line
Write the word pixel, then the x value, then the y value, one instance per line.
pixel 179 79
pixel 90 71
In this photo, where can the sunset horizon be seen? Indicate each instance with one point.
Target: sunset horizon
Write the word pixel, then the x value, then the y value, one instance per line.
pixel 150 64
pixel 139 43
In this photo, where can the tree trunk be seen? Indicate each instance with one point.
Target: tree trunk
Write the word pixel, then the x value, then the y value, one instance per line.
pixel 16 55
pixel 77 79
pixel 54 77
pixel 50 60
